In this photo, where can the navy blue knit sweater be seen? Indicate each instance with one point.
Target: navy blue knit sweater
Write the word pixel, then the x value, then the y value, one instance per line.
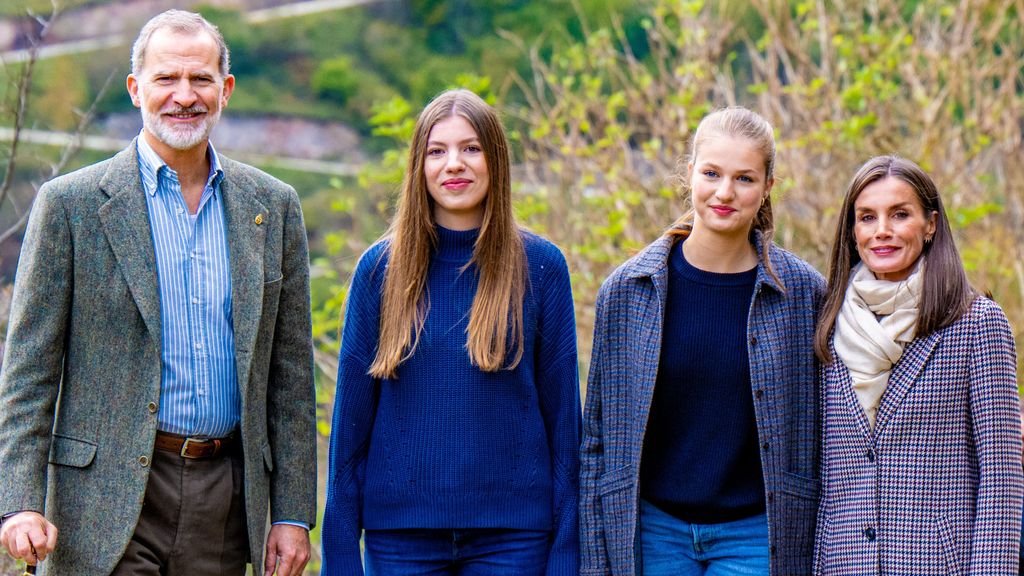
pixel 700 458
pixel 446 445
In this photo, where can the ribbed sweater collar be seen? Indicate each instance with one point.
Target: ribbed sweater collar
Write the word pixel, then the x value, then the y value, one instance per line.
pixel 455 245
pixel 680 265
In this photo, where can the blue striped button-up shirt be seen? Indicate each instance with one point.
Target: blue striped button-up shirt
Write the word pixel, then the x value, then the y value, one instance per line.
pixel 199 393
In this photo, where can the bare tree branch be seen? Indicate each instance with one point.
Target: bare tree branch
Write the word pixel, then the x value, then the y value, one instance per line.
pixel 23 83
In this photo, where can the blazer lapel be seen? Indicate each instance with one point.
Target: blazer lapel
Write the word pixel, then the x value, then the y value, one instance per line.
pixel 246 242
pixel 841 374
pixel 903 376
pixel 125 220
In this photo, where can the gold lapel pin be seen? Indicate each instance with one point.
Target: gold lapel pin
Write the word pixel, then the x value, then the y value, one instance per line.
pixel 259 219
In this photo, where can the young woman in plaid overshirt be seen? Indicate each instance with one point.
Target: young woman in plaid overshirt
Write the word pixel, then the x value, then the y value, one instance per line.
pixel 700 450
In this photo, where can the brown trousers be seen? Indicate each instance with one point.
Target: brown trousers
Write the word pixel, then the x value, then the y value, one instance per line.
pixel 192 521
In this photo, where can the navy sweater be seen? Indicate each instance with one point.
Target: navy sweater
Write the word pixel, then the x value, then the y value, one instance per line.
pixel 446 445
pixel 700 459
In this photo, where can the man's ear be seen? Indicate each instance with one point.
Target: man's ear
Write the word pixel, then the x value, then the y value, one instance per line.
pixel 133 90
pixel 229 87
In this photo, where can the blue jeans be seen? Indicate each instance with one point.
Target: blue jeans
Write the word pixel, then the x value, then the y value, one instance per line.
pixel 472 552
pixel 672 547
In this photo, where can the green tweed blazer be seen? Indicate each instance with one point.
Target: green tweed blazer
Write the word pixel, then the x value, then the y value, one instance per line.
pixel 82 359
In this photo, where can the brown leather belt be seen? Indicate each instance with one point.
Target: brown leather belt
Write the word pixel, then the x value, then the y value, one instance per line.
pixel 192 448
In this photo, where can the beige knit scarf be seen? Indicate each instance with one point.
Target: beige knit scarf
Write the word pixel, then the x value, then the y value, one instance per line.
pixel 877 320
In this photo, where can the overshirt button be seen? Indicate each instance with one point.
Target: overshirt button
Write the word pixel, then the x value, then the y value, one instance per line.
pixel 772 550
pixel 759 393
pixel 771 496
pixel 766 446
pixel 144 460
pixel 869 533
pixel 753 340
pixel 152 407
pixel 871 455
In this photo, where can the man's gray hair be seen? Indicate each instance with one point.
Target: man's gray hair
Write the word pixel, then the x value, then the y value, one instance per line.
pixel 181 22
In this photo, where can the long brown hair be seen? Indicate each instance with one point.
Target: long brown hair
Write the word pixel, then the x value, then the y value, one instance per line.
pixel 497 311
pixel 946 294
pixel 736 122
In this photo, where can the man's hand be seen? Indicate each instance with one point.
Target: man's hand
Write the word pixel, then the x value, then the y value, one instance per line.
pixel 30 537
pixel 287 550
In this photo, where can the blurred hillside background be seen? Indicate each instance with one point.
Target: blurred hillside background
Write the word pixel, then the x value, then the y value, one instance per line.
pixel 600 98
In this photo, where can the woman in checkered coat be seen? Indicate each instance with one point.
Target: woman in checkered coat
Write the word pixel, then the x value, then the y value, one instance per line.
pixel 921 462
pixel 700 450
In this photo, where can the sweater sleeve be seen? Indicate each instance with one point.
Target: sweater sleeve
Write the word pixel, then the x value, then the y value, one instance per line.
pixel 995 412
pixel 355 406
pixel 557 380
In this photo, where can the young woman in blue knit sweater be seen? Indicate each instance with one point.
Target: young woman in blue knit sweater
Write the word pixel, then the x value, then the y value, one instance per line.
pixel 456 422
pixel 700 449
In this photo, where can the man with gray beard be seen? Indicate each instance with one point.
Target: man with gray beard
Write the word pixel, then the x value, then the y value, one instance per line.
pixel 157 381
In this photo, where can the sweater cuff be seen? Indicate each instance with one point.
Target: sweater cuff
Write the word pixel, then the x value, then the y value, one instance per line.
pixel 342 564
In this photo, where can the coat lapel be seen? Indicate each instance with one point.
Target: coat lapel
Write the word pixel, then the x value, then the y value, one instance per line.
pixel 838 372
pixel 651 265
pixel 652 348
pixel 125 220
pixel 246 241
pixel 903 376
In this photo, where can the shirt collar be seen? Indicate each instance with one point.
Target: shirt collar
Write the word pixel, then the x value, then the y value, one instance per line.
pixel 653 260
pixel 151 165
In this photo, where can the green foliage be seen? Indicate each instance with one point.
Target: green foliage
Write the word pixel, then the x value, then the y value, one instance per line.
pixel 62 88
pixel 335 65
pixel 604 118
pixel 335 79
pixel 41 7
pixel 967 216
pixel 60 93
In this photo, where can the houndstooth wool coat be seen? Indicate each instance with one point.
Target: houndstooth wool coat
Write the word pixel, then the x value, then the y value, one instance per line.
pixel 623 368
pixel 935 489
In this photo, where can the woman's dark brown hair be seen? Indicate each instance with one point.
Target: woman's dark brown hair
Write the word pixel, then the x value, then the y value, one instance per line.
pixel 946 294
